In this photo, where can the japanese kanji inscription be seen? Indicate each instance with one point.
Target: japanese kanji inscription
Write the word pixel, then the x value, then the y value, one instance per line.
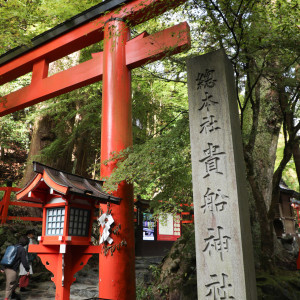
pixel 225 267
pixel 219 287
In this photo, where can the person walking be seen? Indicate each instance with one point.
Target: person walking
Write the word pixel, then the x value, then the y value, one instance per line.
pixel 24 278
pixel 11 272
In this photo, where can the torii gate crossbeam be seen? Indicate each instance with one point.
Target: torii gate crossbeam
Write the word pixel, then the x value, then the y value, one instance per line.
pixel 120 55
pixel 143 49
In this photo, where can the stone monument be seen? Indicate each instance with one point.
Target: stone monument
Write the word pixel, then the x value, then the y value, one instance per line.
pixel 225 265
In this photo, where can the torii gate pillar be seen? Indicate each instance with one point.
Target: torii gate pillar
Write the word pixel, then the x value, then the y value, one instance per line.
pixel 120 55
pixel 116 135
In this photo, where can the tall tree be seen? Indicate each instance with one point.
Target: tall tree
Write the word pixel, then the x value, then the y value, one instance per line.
pixel 261 39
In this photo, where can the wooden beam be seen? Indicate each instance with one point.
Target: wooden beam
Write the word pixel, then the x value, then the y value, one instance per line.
pixel 60 83
pixel 139 51
pixel 173 40
pixel 19 203
pixel 134 13
pixel 36 219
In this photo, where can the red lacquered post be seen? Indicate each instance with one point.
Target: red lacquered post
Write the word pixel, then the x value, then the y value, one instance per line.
pixel 117 272
pixel 6 200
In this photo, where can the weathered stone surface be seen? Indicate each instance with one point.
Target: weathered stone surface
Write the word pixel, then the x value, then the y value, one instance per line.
pixel 225 266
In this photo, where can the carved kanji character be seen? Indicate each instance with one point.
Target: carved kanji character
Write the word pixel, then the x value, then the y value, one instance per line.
pixel 209 124
pixel 219 289
pixel 216 241
pixel 206 79
pixel 207 101
pixel 214 202
pixel 211 159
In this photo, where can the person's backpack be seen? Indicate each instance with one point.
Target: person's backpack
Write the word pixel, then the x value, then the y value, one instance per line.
pixel 9 256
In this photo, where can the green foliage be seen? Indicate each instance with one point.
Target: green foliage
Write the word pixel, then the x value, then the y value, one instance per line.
pixel 289 175
pixel 160 168
pixel 75 121
pixel 17 16
pixel 21 20
pixel 76 116
pixel 143 292
pixel 281 285
pixel 13 132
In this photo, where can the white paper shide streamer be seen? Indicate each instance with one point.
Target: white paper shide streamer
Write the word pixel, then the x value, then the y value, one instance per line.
pixel 106 220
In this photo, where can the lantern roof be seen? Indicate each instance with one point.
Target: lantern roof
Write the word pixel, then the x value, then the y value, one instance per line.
pixel 49 180
pixel 286 190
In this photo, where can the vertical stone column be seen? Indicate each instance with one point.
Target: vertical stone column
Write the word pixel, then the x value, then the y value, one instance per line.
pixel 117 272
pixel 225 265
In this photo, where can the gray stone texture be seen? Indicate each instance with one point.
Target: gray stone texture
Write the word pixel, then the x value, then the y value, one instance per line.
pixel 225 266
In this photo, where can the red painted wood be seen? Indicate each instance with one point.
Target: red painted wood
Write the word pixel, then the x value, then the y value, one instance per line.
pixel 44 223
pixel 54 263
pixel 5 206
pixel 92 249
pixel 67 219
pixel 39 71
pixel 76 240
pixel 139 51
pixel 63 265
pixel 134 13
pixel 117 272
pixel 52 205
pixel 28 188
pixel 117 278
pixel 57 187
pixel 158 45
pixel 40 248
pixel 5 203
pixel 18 203
pixel 13 189
pixel 35 219
pixel 78 76
pixel 86 249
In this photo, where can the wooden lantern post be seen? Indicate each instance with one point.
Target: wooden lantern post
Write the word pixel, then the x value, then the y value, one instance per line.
pixel 68 212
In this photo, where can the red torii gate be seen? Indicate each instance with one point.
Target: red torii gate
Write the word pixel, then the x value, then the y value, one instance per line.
pixel 113 65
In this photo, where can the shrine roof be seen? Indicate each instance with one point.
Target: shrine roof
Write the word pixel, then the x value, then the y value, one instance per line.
pixel 142 203
pixel 285 189
pixel 62 28
pixel 63 183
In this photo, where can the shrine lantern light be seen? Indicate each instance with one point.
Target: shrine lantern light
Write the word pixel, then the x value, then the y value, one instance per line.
pixel 68 204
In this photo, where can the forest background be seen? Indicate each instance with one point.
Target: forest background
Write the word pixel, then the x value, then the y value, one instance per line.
pixel 261 38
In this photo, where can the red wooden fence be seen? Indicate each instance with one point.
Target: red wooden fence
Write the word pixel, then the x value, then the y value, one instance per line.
pixel 6 202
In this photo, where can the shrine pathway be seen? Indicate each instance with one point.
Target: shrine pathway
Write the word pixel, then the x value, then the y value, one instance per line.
pixel 84 288
pixel 86 285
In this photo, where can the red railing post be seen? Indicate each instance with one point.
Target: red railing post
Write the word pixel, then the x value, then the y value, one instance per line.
pixel 5 204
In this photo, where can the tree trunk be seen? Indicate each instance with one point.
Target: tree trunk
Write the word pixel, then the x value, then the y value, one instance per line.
pixel 42 136
pixel 260 145
pixel 296 155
